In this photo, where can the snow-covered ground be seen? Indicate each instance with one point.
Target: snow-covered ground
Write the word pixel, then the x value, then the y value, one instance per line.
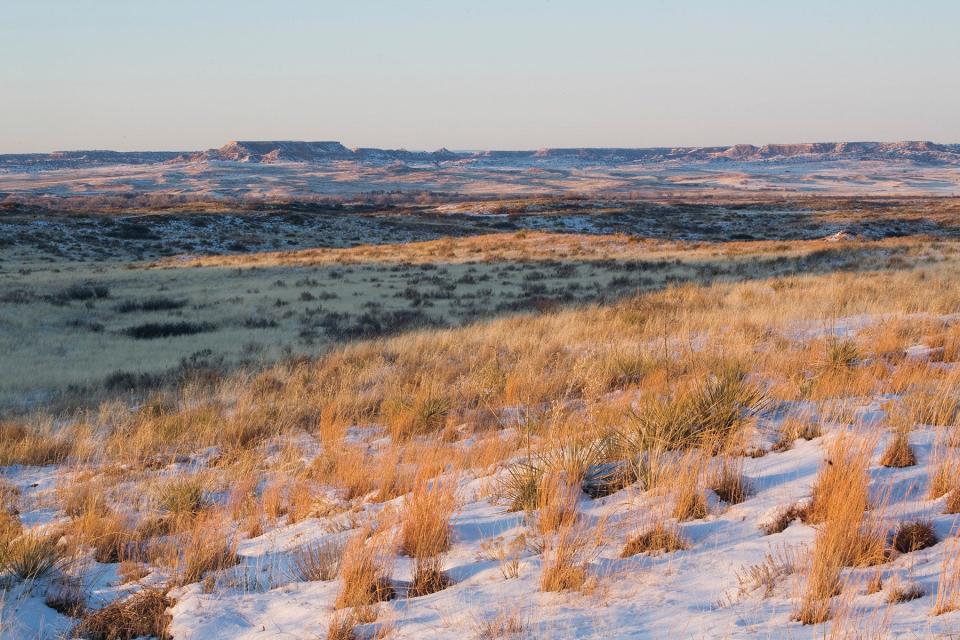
pixel 691 593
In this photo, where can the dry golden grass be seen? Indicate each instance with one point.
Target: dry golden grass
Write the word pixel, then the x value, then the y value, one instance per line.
pixel 556 505
pixel 341 627
pixel 945 474
pixel 317 561
pixel 364 569
pixel 207 547
pixel 899 453
pixel 777 564
pixel 567 555
pixel 844 536
pixel 903 592
pixel 109 534
pixel 690 503
pixel 545 359
pixel 793 428
pixel 728 482
pixel 784 517
pixel 952 505
pixel 425 519
pixel 948 586
pixel 129 571
pixel 35 442
pixel 504 625
pixel 428 577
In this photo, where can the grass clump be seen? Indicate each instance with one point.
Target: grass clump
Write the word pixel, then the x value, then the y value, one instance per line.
pixel 566 557
pixel 793 429
pixel 364 570
pixel 421 412
pixel 948 587
pixel 182 496
pixel 844 537
pixel 783 518
pixel 425 534
pixel 317 562
pixel 556 505
pixel 904 592
pixel 839 355
pixel 425 519
pixel 207 548
pixel 505 624
pixel 914 536
pixel 899 453
pixel 660 538
pixel 952 505
pixel 428 577
pixel 729 483
pixel 690 502
pixel 143 614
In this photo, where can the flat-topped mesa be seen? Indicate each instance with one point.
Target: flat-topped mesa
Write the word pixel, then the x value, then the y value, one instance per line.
pixel 266 151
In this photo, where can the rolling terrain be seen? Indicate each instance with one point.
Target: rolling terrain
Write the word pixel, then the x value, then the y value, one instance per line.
pixel 298 390
pixel 277 170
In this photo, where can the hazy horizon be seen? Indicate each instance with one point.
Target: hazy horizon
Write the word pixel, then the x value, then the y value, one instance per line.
pixel 477 150
pixel 187 76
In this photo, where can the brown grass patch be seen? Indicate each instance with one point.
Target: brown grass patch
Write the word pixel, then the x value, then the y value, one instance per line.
pixel 913 536
pixel 784 517
pixel 660 538
pixel 428 578
pixel 143 614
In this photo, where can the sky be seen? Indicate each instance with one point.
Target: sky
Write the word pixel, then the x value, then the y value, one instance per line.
pixel 491 74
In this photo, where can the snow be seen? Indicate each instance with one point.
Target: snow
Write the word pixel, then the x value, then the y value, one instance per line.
pixel 692 593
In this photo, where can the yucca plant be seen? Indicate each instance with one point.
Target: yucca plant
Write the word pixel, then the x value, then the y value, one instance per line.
pixel 32 555
pixel 721 404
pixel 521 486
pixel 839 355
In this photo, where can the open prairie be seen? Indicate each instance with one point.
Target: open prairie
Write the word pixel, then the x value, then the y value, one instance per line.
pixel 129 301
pixel 541 417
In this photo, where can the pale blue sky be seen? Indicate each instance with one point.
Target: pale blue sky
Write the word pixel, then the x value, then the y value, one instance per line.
pixel 192 74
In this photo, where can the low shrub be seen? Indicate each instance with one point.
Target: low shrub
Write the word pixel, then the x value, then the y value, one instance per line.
pixel 154 330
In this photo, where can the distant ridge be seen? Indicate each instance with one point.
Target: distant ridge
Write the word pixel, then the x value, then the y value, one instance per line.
pixel 299 151
pixel 279 151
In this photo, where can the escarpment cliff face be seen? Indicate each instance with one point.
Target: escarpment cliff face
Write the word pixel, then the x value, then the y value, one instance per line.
pixel 295 151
